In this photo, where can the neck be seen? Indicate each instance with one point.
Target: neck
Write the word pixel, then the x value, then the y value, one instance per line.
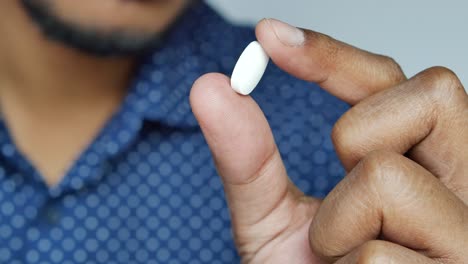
pixel 54 99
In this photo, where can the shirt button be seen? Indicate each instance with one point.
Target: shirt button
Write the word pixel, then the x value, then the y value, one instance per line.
pixel 52 216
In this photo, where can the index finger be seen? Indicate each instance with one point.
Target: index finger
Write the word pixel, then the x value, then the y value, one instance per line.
pixel 347 72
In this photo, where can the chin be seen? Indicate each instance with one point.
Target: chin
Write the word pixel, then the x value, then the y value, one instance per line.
pixel 105 27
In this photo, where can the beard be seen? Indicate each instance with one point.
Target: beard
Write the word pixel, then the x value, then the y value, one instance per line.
pixel 89 40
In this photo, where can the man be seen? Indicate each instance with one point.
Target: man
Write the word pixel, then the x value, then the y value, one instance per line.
pixel 102 160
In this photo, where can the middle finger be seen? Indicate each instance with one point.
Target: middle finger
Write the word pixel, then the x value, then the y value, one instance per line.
pixel 387 195
pixel 427 116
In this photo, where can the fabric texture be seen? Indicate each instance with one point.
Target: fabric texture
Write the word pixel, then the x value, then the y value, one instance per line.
pixel 146 190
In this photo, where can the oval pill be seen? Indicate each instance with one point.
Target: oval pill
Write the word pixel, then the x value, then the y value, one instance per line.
pixel 249 68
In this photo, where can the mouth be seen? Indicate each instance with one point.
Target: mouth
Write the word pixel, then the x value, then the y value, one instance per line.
pixel 144 1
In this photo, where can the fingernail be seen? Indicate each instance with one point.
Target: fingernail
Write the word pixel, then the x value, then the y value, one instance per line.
pixel 287 34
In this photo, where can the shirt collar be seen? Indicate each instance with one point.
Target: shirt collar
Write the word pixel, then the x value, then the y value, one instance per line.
pixel 195 45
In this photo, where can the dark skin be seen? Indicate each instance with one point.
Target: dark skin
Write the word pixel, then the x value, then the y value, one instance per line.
pixel 404 144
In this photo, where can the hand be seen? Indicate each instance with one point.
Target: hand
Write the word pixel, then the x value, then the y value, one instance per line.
pixel 404 145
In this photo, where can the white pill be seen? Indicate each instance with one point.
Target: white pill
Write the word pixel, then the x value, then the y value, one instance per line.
pixel 249 69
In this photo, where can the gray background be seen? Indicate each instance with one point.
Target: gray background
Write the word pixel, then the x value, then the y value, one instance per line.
pixel 418 34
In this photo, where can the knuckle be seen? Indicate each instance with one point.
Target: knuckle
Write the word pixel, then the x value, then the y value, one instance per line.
pixel 320 245
pixel 390 177
pixel 339 135
pixel 391 62
pixel 374 252
pixel 393 70
pixel 345 140
pixel 442 82
pixel 379 168
pixel 372 162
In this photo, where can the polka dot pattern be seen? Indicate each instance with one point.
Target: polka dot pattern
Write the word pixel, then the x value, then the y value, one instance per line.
pixel 146 190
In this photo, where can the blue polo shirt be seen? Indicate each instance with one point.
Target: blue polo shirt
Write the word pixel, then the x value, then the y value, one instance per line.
pixel 146 189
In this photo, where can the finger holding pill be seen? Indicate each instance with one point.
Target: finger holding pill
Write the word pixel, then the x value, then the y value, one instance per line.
pixel 249 69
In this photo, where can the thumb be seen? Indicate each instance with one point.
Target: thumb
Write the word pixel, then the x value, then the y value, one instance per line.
pixel 246 156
